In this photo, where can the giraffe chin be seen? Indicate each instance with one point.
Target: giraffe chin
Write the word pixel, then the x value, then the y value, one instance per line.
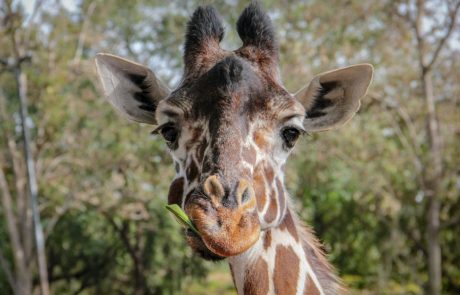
pixel 196 243
pixel 224 232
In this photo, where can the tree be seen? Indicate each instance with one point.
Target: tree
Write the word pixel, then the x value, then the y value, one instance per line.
pixel 434 171
pixel 22 248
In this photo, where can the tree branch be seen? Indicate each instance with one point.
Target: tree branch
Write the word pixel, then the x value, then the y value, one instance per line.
pixel 410 142
pixel 122 233
pixel 24 216
pixel 21 84
pixel 417 24
pixel 453 19
pixel 10 217
pixel 29 21
pixel 18 253
pixel 81 36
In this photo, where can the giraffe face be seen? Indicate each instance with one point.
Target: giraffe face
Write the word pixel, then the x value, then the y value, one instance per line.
pixel 229 135
pixel 230 124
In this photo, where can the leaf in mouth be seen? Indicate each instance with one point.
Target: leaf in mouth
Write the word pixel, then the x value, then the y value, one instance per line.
pixel 181 217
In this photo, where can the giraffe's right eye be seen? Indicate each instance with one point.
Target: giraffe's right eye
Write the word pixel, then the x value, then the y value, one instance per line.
pixel 169 133
pixel 290 136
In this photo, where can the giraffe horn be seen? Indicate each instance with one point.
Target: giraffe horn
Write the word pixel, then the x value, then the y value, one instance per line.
pixel 256 29
pixel 204 33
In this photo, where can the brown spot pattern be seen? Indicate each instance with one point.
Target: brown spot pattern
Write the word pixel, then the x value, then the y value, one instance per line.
pixel 272 211
pixel 259 188
pixel 259 139
pixel 269 174
pixel 286 271
pixel 176 190
pixel 268 239
pixel 192 171
pixel 196 133
pixel 281 196
pixel 256 280
pixel 289 225
pixel 310 287
pixel 323 270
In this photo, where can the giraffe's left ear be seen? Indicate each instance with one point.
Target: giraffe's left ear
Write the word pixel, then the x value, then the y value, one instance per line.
pixel 132 89
pixel 332 98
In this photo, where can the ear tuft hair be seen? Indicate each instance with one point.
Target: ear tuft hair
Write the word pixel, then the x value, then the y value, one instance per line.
pixel 204 26
pixel 255 28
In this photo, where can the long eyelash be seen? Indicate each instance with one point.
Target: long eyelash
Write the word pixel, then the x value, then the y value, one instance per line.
pixel 301 130
pixel 306 133
pixel 158 129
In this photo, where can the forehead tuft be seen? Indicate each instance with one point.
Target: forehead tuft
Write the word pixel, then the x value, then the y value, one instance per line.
pixel 226 76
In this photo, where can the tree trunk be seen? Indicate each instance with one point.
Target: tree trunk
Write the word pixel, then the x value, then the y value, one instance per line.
pixel 21 80
pixel 23 280
pixel 432 191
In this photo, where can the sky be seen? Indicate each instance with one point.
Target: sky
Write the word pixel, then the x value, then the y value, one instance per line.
pixel 71 5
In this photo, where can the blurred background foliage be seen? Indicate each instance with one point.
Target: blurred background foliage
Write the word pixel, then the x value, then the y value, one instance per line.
pixel 103 181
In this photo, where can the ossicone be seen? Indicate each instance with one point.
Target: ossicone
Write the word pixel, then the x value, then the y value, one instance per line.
pixel 256 29
pixel 204 33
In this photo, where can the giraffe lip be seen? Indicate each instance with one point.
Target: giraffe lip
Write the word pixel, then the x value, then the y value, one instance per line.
pixel 221 234
pixel 200 247
pixel 191 233
pixel 223 231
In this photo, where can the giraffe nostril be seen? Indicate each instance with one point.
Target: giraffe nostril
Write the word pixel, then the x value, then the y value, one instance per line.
pixel 213 188
pixel 245 193
pixel 242 195
pixel 246 196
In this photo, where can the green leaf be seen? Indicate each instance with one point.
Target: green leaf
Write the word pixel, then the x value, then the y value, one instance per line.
pixel 181 217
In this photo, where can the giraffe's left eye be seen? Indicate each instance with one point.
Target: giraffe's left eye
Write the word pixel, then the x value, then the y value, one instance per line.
pixel 290 136
pixel 169 133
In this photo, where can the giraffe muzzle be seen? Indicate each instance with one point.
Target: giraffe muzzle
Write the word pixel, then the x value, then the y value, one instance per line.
pixel 226 219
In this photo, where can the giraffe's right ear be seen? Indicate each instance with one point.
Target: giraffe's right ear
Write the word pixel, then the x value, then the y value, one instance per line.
pixel 131 88
pixel 332 98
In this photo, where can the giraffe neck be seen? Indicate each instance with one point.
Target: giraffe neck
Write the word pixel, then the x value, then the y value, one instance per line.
pixel 286 260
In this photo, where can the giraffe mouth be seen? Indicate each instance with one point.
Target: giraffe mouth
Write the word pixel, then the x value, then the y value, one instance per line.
pixel 197 244
pixel 224 231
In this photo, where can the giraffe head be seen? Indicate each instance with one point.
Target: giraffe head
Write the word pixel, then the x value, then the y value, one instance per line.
pixel 230 124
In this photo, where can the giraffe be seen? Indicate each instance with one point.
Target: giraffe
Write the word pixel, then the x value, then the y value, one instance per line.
pixel 230 126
